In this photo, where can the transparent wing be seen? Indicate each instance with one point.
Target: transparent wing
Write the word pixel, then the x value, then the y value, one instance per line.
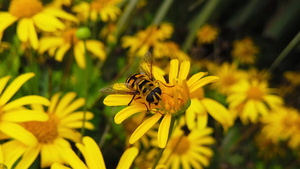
pixel 146 65
pixel 118 88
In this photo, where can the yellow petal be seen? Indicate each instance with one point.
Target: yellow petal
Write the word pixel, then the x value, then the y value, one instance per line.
pixel 195 78
pixel 6 19
pixel 144 127
pixel 97 48
pixel 163 131
pixel 261 107
pixel 1 155
pixel 25 101
pixel 28 158
pixel 60 14
pixel 184 70
pixel 158 74
pixel 173 70
pixel 59 166
pixel 127 158
pixel 54 100
pixel 72 107
pixel 49 23
pixel 23 29
pixel 71 158
pixel 13 150
pixel 50 153
pixel 24 115
pixel 62 51
pixel 3 82
pixel 94 158
pixel 64 102
pixel 127 112
pixel 77 116
pixel 190 117
pixel 50 42
pixel 33 39
pixel 14 87
pixel 218 112
pixel 70 134
pixel 79 55
pixel 249 112
pixel 117 100
pixel 19 133
pixel 202 82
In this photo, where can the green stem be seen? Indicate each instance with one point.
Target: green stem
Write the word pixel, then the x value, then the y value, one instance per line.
pixel 162 150
pixel 285 52
pixel 85 93
pixel 163 9
pixel 202 17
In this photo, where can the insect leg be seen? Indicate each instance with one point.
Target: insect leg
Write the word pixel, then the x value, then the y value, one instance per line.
pixel 131 100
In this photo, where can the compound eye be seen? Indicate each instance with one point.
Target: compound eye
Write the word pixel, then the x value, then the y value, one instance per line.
pixel 150 97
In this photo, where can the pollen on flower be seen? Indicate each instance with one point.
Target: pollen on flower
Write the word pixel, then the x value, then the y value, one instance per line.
pixel 174 98
pixel 180 145
pixel 255 93
pixel 25 8
pixel 45 132
pixel 70 36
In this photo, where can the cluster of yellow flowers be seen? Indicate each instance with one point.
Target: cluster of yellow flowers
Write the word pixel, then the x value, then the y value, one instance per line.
pixel 165 127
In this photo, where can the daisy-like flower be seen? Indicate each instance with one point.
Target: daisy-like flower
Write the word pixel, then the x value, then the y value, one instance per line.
pixel 107 10
pixel 283 124
pixel 245 51
pixel 207 34
pixel 170 49
pixel 143 40
pixel 93 156
pixel 292 77
pixel 252 99
pixel 108 31
pixel 262 75
pixel 51 135
pixel 188 149
pixel 175 99
pixel 30 15
pixel 57 46
pixel 13 112
pixel 229 75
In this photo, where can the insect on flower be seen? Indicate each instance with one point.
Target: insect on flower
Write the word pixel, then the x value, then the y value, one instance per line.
pixel 140 84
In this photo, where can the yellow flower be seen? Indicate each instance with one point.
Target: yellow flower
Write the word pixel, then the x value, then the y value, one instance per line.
pixel 30 15
pixel 229 75
pixel 245 51
pixel 108 31
pixel 188 149
pixel 207 34
pixel 175 99
pixel 60 3
pixel 107 10
pixel 250 99
pixel 283 124
pixel 4 159
pixel 143 40
pixel 169 49
pixel 292 77
pixel 262 75
pixel 197 114
pixel 51 135
pixel 93 156
pixel 13 112
pixel 60 43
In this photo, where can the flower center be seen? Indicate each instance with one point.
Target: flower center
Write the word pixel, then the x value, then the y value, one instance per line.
pixel 229 80
pixel 70 36
pixel 255 93
pixel 45 132
pixel 98 5
pixel 25 8
pixel 180 145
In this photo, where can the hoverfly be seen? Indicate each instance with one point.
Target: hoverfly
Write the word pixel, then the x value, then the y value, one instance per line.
pixel 140 84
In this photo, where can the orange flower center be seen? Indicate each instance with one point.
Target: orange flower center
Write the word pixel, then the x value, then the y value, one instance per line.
pixel 255 93
pixel 229 80
pixel 98 5
pixel 45 132
pixel 180 145
pixel 25 8
pixel 174 97
pixel 70 36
